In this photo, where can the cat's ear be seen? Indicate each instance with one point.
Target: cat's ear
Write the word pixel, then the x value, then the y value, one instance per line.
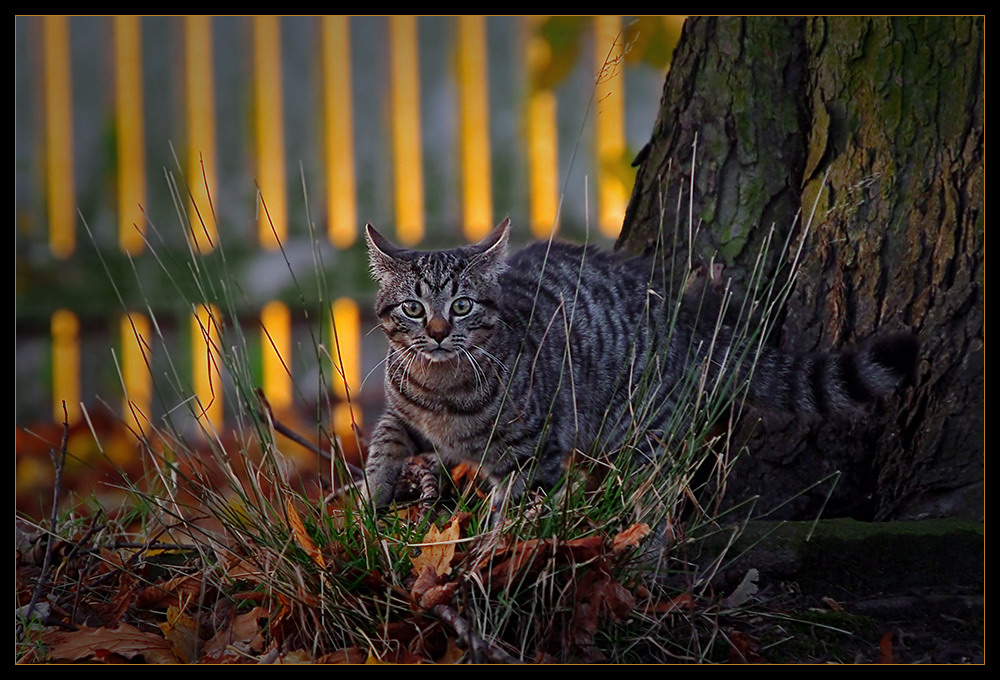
pixel 492 250
pixel 383 256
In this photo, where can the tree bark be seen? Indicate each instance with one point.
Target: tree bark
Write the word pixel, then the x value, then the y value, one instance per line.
pixel 878 124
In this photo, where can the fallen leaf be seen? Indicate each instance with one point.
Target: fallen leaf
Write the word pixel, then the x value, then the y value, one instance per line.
pixel 298 656
pixel 453 654
pixel 583 549
pixel 430 589
pixel 302 536
pixel 438 548
pixel 176 592
pixel 522 554
pixel 744 591
pixel 352 655
pixel 744 648
pixel 832 604
pixel 243 633
pixel 465 476
pixel 682 601
pixel 885 649
pixel 596 594
pixel 630 538
pixel 182 632
pixel 124 641
pixel 110 613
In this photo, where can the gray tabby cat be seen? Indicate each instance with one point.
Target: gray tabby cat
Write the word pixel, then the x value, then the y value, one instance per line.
pixel 510 362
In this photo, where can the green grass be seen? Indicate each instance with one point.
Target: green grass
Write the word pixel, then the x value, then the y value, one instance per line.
pixel 557 578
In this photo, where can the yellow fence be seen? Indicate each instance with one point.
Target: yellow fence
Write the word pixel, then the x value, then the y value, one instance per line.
pixel 200 160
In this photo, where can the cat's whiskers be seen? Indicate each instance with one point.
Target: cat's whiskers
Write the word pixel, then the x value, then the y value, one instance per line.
pixel 401 368
pixel 477 371
pixel 499 367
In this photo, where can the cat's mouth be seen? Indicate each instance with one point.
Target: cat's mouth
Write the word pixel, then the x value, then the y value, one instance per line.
pixel 438 354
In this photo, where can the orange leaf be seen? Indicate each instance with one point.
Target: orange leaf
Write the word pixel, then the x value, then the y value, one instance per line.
pixel 125 641
pixel 631 537
pixel 744 648
pixel 885 649
pixel 522 555
pixel 302 536
pixel 583 549
pixel 682 601
pixel 453 654
pixel 438 548
pixel 177 590
pixel 832 604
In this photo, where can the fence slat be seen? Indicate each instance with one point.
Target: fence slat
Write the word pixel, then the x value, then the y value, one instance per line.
pixel 129 128
pixel 202 163
pixel 65 330
pixel 474 109
pixel 542 133
pixel 276 353
pixel 137 382
pixel 612 194
pixel 60 186
pixel 346 354
pixel 269 131
pixel 338 104
pixel 406 143
pixel 206 367
pixel 204 137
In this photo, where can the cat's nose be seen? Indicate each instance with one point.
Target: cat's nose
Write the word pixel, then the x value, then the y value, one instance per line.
pixel 438 328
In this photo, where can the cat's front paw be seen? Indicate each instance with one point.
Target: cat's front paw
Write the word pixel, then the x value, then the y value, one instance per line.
pixel 382 475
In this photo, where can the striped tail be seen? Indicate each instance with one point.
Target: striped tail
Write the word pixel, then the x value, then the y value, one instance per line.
pixel 839 382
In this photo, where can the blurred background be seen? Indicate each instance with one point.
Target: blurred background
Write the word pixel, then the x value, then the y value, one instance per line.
pixel 179 177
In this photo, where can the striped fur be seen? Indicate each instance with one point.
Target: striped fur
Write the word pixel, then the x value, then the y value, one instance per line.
pixel 513 361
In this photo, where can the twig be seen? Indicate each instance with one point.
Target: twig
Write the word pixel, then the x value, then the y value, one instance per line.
pixel 120 545
pixel 280 428
pixel 469 640
pixel 58 461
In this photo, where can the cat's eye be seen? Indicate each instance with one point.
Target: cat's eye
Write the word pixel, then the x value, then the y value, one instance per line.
pixel 412 309
pixel 461 306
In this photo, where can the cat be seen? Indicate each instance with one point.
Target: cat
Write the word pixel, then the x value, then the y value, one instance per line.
pixel 512 361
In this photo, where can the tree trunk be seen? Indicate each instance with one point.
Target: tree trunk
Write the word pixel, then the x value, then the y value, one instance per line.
pixel 878 124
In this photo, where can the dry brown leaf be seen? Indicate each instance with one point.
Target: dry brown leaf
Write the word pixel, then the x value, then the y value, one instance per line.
pixel 630 538
pixel 347 655
pixel 240 569
pixel 597 593
pixel 426 579
pixel 885 649
pixel 583 549
pixel 832 604
pixel 430 589
pixel 302 536
pixel 110 613
pixel 243 634
pixel 438 548
pixel 453 654
pixel 124 641
pixel 744 648
pixel 682 601
pixel 298 656
pixel 182 632
pixel 176 591
pixel 522 554
pixel 464 475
